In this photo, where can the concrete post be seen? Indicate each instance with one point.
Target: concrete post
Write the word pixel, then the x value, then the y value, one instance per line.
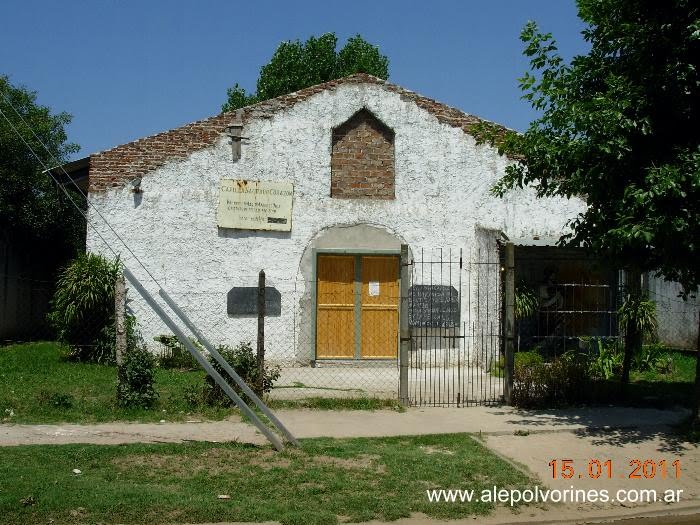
pixel 119 314
pixel 404 328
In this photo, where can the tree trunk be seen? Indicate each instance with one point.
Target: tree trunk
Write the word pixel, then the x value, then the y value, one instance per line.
pixel 696 405
pixel 633 337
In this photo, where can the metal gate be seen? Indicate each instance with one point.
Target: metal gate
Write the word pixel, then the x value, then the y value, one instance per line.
pixel 454 321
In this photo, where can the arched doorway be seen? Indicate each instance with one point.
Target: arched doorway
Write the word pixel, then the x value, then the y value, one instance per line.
pixel 352 305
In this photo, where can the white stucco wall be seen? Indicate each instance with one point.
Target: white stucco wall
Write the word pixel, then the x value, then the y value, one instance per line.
pixel 442 196
pixel 677 318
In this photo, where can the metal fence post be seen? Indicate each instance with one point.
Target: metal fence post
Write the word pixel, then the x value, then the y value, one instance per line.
pixel 261 333
pixel 509 352
pixel 405 330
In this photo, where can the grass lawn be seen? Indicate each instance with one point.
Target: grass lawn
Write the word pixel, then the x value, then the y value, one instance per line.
pixel 650 388
pixel 681 371
pixel 324 482
pixel 38 386
pixel 653 388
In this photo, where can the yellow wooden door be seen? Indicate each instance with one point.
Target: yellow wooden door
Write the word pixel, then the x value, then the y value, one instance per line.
pixel 335 312
pixel 380 307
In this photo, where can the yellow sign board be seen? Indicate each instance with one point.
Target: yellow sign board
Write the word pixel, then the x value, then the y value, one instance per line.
pixel 255 205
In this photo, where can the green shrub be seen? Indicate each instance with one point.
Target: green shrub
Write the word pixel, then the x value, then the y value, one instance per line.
pixel 82 308
pixel 557 383
pixel 639 311
pixel 136 378
pixel 56 399
pixel 175 355
pixel 104 349
pixel 524 358
pixel 526 301
pixel 605 358
pixel 193 395
pixel 531 386
pixel 243 360
pixel 569 378
pixel 528 358
pixel 653 357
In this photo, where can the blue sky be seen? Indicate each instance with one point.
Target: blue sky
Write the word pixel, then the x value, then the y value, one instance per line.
pixel 126 69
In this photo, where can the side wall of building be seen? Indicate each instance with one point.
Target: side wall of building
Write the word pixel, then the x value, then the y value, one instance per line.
pixel 677 318
pixel 442 198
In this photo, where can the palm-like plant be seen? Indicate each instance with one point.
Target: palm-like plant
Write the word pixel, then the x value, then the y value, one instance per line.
pixel 82 308
pixel 525 301
pixel 638 311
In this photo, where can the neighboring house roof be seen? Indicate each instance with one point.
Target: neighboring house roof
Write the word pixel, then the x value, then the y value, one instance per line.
pixel 116 166
pixel 70 173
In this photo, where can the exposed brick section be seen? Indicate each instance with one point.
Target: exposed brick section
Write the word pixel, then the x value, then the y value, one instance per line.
pixel 117 166
pixel 362 159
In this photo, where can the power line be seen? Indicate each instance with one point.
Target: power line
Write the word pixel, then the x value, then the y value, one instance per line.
pixel 56 181
pixel 83 194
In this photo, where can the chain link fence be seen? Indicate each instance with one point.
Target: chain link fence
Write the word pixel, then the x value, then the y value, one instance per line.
pixel 338 336
pixel 574 298
pixel 341 339
pixel 289 338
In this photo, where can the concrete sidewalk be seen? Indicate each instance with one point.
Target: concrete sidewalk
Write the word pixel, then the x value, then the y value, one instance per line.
pixel 336 423
pixel 618 434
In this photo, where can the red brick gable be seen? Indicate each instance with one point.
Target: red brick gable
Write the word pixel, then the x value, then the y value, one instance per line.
pixel 117 166
pixel 362 159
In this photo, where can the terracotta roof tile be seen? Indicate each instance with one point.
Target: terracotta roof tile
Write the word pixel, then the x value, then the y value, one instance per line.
pixel 117 166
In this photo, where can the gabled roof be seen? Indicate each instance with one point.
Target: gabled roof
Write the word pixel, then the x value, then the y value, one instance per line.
pixel 116 166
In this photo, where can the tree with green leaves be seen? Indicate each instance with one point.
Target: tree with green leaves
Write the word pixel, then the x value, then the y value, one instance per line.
pixel 35 215
pixel 619 127
pixel 296 65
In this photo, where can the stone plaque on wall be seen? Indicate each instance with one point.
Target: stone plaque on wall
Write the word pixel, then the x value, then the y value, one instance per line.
pixel 433 306
pixel 255 205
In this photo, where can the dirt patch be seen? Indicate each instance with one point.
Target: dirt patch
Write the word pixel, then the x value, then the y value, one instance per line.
pixel 225 460
pixel 175 516
pixel 361 462
pixel 267 460
pixel 150 461
pixel 619 447
pixel 311 485
pixel 214 462
pixel 223 453
pixel 437 450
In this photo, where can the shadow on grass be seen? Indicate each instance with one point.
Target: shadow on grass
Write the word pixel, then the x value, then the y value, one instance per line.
pixel 672 440
pixel 613 419
pixel 615 426
pixel 642 393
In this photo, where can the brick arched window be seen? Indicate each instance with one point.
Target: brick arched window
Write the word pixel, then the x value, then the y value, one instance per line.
pixel 362 159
